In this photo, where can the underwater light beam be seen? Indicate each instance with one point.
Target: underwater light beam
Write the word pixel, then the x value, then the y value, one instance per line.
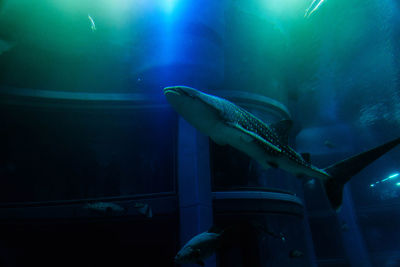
pixel 92 24
pixel 283 8
pixel 388 178
pixel 169 6
pixel 318 4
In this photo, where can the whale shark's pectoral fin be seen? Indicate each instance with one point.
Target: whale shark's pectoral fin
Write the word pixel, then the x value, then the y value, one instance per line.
pixel 251 136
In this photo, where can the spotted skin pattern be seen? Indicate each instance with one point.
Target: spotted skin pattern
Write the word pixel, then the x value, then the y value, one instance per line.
pixel 232 113
pixel 277 152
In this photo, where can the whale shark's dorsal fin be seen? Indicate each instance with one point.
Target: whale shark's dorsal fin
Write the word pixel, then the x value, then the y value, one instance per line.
pixel 282 128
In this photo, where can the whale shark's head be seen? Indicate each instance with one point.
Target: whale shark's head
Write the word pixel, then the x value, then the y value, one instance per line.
pixel 180 96
pixel 199 109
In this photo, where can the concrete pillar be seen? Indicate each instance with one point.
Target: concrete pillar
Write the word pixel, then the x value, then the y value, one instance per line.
pixel 194 186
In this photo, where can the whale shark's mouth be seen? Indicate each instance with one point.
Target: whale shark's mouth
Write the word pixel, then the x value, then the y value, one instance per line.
pixel 173 91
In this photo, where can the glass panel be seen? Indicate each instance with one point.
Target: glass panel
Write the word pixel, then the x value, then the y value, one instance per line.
pixel 62 154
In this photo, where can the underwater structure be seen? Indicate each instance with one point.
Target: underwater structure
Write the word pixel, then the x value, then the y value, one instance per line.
pixel 98 169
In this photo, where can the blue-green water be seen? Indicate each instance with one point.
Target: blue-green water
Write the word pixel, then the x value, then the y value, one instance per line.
pixel 83 121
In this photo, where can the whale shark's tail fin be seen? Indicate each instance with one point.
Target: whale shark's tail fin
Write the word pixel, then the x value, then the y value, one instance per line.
pixel 342 171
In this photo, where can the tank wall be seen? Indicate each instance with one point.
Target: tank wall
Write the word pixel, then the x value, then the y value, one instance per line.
pixel 82 153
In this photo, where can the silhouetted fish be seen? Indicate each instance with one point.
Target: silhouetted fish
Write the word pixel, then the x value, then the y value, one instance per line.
pixel 106 208
pixel 199 248
pixel 294 253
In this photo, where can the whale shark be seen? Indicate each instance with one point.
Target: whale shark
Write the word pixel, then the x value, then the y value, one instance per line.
pixel 228 124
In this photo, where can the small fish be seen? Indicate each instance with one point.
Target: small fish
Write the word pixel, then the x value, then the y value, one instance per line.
pixel 313 7
pixel 264 229
pixel 282 236
pixel 199 248
pixel 310 184
pixel 329 144
pixel 106 208
pixel 92 25
pixel 294 253
pixel 144 209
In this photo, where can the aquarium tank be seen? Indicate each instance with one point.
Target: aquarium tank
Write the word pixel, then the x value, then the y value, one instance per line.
pixel 231 133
